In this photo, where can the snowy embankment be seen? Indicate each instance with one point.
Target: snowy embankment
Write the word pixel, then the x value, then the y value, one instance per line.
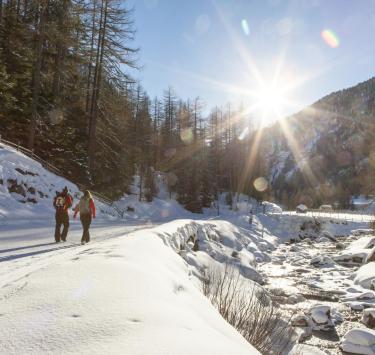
pixel 129 295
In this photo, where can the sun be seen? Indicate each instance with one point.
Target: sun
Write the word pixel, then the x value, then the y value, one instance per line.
pixel 270 102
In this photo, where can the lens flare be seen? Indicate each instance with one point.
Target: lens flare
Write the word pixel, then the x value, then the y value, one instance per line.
pixel 330 38
pixel 186 135
pixel 260 184
pixel 244 133
pixel 245 27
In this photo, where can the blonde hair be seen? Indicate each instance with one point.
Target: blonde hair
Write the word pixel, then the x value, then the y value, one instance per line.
pixel 87 194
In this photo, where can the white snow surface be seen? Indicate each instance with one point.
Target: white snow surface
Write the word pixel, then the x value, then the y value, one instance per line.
pixel 128 295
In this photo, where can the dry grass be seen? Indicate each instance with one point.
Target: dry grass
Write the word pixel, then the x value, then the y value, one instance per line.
pixel 248 308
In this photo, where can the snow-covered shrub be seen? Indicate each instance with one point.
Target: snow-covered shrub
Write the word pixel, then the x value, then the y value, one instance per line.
pixel 248 308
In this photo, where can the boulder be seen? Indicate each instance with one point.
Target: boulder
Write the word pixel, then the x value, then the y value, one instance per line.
pixel 368 318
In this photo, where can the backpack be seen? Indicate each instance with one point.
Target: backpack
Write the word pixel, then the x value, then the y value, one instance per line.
pixel 84 206
pixel 60 201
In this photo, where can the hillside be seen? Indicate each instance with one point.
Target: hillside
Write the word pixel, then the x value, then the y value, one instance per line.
pixel 324 153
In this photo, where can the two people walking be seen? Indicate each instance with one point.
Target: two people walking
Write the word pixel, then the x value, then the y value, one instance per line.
pixel 86 209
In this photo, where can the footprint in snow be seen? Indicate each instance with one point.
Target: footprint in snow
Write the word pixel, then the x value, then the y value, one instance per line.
pixel 134 320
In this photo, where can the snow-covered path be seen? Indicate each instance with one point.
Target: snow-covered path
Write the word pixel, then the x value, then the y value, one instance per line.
pixel 28 245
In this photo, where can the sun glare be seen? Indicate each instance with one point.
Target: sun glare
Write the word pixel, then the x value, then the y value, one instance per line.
pixel 270 102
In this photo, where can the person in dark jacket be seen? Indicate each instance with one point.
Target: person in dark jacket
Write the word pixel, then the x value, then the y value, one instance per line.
pixel 87 211
pixel 62 202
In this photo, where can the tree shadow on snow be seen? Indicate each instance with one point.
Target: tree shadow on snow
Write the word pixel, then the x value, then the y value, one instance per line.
pixel 26 247
pixel 329 336
pixel 24 255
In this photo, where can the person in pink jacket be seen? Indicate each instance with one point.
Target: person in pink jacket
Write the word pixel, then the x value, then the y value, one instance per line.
pixel 87 211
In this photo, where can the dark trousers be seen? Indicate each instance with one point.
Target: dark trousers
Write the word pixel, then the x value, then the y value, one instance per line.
pixel 86 221
pixel 62 218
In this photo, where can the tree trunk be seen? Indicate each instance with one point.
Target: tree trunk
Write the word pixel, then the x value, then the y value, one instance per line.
pixel 97 86
pixel 88 93
pixel 37 75
pixel 60 50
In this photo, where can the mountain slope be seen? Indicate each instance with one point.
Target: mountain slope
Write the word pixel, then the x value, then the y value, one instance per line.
pixel 323 153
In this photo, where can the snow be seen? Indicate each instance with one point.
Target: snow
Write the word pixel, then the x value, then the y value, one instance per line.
pixel 130 293
pixel 306 350
pixel 127 289
pixel 136 286
pixel 365 275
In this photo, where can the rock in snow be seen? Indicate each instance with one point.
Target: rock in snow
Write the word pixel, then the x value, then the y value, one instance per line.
pixel 322 260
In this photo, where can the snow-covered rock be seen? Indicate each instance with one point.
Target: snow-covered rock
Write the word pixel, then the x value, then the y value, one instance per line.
pixel 357 252
pixel 359 341
pixel 301 208
pixel 365 275
pixel 322 260
pixel 329 236
pixel 321 316
pixel 294 299
pixel 362 231
pixel 270 207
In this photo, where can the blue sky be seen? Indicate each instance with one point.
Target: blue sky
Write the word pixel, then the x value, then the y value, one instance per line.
pixel 200 48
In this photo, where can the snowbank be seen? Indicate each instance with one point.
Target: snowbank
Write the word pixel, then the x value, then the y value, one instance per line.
pixel 130 295
pixel 201 242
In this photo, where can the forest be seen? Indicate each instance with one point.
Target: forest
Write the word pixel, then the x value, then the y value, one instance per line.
pixel 67 93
